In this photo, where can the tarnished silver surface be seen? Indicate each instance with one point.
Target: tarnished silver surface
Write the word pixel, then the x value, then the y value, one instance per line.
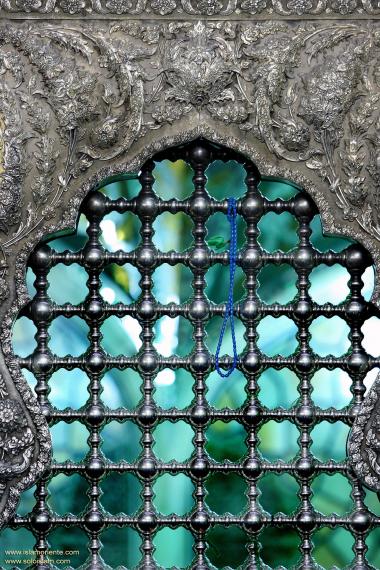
pixel 84 98
pixel 193 8
pixel 364 439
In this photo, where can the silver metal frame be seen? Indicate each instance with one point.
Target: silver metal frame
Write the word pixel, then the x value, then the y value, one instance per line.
pixel 87 92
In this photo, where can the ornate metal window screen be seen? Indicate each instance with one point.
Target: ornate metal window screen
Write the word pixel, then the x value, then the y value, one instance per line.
pixel 148 362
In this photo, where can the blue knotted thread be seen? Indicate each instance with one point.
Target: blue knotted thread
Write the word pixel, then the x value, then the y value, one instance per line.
pixel 229 313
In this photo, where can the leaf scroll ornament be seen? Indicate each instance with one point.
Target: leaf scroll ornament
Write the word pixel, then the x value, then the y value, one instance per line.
pixel 364 439
pixel 16 438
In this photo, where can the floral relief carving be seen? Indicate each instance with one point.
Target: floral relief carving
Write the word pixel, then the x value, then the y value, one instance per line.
pixel 111 86
pixel 17 440
pixel 192 7
pixel 364 440
pixel 12 155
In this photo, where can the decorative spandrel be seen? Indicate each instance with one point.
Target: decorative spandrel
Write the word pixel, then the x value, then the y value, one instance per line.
pixel 148 361
pixel 301 99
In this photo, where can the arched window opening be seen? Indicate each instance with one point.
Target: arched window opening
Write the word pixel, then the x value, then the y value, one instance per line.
pixel 156 459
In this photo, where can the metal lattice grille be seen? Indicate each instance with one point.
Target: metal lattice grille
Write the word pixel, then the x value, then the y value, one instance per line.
pixel 199 310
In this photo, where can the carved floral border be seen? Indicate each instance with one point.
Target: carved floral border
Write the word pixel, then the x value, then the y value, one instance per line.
pixel 364 441
pixel 220 8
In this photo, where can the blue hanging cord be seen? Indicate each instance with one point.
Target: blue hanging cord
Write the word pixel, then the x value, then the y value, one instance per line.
pixel 229 313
